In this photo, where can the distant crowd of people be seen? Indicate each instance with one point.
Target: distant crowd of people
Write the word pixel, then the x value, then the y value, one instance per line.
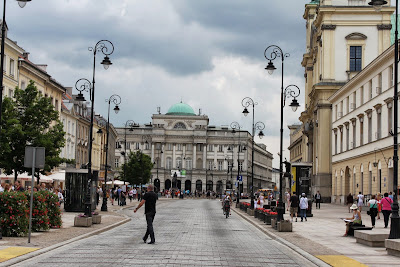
pixel 17 187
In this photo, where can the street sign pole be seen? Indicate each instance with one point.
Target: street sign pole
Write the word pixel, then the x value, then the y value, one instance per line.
pixel 32 183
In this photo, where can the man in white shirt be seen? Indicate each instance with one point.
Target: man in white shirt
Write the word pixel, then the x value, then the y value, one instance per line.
pixel 303 206
pixel 2 185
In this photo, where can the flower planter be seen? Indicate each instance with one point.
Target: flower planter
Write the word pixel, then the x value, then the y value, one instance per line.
pixel 261 216
pixel 273 222
pixel 268 218
pixel 250 212
pixel 285 226
pixel 83 221
pixel 96 219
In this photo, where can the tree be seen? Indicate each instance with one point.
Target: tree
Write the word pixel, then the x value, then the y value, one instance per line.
pixel 137 169
pixel 29 120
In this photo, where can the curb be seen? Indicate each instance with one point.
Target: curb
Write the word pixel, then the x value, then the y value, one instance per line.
pixel 301 252
pixel 47 249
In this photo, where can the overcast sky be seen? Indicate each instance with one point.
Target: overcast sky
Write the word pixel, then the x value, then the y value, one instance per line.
pixel 208 53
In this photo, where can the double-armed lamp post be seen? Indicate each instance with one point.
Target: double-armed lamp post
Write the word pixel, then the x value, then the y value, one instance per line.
pixel 259 126
pixel 107 48
pixel 271 53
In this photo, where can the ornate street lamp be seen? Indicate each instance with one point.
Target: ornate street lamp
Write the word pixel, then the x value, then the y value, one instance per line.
pixel 271 53
pixel 246 102
pixel 107 48
pixel 395 219
pixel 236 126
pixel 116 99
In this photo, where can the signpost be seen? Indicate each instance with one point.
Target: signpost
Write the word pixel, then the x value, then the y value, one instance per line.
pixel 34 158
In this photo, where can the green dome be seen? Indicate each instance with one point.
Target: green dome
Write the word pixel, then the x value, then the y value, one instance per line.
pixel 181 109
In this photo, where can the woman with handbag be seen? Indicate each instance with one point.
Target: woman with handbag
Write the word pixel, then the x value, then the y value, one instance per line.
pixel 373 209
pixel 386 203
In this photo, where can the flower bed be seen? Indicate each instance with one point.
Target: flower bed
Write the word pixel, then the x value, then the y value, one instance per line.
pixel 246 206
pixel 14 212
pixel 268 215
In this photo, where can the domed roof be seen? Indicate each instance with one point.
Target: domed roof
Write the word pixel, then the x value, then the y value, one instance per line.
pixel 181 109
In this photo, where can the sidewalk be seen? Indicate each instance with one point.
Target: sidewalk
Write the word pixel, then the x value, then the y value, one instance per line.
pixel 322 237
pixel 11 247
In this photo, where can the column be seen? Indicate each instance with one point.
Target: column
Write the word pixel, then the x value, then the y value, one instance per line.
pixel 152 152
pixel 204 156
pixel 162 157
pixel 174 157
pixel 194 156
pixel 183 157
pixel 215 156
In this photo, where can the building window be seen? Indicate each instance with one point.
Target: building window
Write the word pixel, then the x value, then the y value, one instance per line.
pixel 379 87
pixel 200 147
pixel 220 148
pixel 10 93
pixel 188 163
pixel 362 95
pixel 179 163
pixel 354 134
pixel 379 123
pixel 355 58
pixel 369 128
pixel 391 78
pixel 117 144
pixel 179 147
pixel 23 85
pixel 56 105
pixel 210 164
pixel 137 145
pixel 189 147
pixel 169 146
pixel 341 140
pixel 128 145
pixel 146 146
pixel 116 162
pixel 347 137
pixel 240 165
pixel 370 90
pixel 361 133
pixel 180 125
pixel 169 163
pixel 220 165
pixel 390 116
pixel 211 148
pixel 336 143
pixel 12 66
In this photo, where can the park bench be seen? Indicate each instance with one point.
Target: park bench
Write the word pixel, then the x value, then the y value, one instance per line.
pixel 375 238
pixel 357 227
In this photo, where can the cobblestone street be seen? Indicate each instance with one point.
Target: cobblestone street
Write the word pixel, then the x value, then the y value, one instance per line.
pixel 188 233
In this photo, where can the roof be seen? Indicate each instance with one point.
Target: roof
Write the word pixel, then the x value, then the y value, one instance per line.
pixel 181 109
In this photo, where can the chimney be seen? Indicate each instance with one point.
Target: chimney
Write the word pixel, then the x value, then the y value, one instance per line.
pixel 26 55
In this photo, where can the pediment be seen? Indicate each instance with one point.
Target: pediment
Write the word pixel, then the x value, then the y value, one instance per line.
pixel 356 36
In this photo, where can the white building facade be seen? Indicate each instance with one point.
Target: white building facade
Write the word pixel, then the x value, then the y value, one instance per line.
pixel 183 142
pixel 362 122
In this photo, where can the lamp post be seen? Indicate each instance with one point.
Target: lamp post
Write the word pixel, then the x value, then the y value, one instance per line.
pixel 395 219
pixel 158 160
pixel 116 99
pixel 130 124
pixel 232 165
pixel 21 3
pixel 235 125
pixel 276 51
pixel 246 102
pixel 107 48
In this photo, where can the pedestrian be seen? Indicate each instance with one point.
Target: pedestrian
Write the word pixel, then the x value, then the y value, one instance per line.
pixel 373 209
pixel 355 220
pixel 318 199
pixel 379 198
pixel 119 190
pixel 18 187
pixel 134 191
pixel 391 195
pixel 261 199
pixel 2 185
pixel 294 206
pixel 287 200
pixel 386 203
pixel 350 201
pixel 360 201
pixel 130 194
pixel 112 196
pixel 303 206
pixel 149 200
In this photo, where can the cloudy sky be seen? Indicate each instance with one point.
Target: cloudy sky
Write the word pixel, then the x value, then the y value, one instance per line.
pixel 209 53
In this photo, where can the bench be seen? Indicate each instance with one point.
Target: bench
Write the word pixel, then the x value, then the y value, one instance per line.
pixel 393 247
pixel 357 227
pixel 375 238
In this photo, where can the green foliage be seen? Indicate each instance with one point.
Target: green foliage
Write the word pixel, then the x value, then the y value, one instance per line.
pixel 14 213
pixel 137 169
pixel 29 119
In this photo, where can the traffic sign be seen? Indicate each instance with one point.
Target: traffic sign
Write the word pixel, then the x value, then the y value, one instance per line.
pixel 239 178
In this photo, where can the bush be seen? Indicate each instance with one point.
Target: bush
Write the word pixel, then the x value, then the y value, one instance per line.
pixel 14 214
pixel 53 208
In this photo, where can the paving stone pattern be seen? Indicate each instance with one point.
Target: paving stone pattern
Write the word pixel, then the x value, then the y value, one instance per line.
pixel 188 233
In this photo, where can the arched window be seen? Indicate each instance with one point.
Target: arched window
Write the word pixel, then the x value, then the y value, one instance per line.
pixel 179 163
pixel 188 163
pixel 180 125
pixel 169 163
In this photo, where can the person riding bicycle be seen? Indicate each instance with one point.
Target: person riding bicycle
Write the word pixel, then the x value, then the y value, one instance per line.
pixel 227 201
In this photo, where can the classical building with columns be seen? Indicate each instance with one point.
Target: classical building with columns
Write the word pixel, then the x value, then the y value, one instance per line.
pixel 201 154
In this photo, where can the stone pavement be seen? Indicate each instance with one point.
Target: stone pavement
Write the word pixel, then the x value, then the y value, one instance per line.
pixel 322 235
pixel 190 232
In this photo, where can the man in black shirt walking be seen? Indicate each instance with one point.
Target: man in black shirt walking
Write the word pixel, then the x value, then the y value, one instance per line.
pixel 149 199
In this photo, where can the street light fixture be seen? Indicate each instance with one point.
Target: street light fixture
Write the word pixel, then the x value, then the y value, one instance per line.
pixel 130 124
pixel 395 219
pixel 236 126
pixel 116 99
pixel 107 48
pixel 271 53
pixel 246 102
